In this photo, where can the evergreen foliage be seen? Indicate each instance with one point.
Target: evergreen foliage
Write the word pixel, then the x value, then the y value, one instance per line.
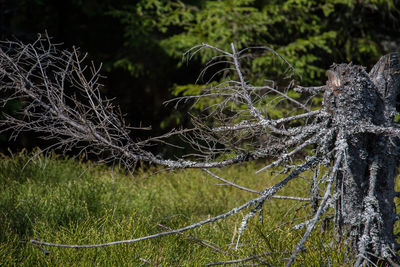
pixel 141 42
pixel 309 34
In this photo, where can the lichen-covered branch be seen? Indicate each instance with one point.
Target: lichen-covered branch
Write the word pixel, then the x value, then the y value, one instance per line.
pixel 352 141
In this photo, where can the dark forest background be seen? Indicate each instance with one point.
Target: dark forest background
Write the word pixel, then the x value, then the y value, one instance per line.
pixel 140 43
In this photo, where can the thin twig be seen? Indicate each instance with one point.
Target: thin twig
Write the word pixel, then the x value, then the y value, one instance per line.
pixel 238 260
pixel 213 247
pixel 311 226
pixel 230 183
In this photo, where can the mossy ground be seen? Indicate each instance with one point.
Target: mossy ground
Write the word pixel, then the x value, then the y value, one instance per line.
pixel 63 200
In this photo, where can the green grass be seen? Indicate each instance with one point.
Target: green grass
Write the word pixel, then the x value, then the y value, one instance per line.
pixel 63 200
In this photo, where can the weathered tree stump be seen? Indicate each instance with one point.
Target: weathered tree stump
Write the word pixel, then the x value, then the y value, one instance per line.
pixel 365 209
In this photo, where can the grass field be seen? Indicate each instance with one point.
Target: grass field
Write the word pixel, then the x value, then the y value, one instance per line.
pixel 63 200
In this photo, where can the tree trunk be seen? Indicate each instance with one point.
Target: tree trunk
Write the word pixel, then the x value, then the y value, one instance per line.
pixel 365 211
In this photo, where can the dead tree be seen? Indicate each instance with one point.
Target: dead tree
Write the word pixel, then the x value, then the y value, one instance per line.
pixel 351 143
pixel 363 109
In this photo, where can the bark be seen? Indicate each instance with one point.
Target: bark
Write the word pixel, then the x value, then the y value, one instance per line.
pixel 365 210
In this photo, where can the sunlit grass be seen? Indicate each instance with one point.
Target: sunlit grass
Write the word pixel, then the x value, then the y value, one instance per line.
pixel 67 201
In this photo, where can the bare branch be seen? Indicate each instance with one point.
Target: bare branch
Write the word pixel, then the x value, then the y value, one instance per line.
pixel 230 183
pixel 266 194
pixel 198 240
pixel 311 225
pixel 310 90
pixel 255 257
